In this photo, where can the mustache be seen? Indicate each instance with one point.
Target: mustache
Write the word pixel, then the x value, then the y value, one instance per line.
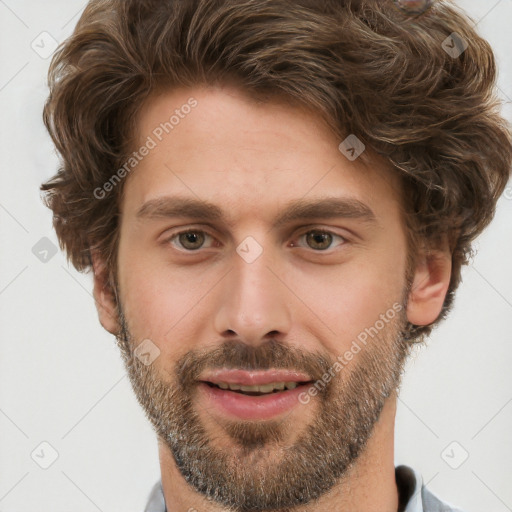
pixel 239 355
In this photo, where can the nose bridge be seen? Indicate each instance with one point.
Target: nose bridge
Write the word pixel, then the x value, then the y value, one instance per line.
pixel 253 303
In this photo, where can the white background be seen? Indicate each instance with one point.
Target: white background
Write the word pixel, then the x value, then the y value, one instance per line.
pixel 61 376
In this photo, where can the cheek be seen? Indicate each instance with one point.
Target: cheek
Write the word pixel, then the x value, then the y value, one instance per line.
pixel 347 300
pixel 146 297
pixel 163 303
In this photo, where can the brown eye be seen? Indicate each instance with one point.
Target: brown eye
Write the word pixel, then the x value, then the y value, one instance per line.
pixel 191 240
pixel 320 240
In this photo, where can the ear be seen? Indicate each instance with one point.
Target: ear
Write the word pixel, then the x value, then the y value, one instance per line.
pixel 430 285
pixel 104 296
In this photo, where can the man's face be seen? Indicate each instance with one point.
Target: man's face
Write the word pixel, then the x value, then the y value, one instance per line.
pixel 244 292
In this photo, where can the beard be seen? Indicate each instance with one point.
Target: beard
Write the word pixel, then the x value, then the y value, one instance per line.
pixel 251 465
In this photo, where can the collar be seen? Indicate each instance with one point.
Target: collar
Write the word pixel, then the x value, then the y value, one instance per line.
pixel 410 489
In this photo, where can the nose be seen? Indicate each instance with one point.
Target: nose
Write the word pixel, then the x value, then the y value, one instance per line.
pixel 253 303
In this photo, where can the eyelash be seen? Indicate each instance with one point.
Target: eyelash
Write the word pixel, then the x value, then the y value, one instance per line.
pixel 313 230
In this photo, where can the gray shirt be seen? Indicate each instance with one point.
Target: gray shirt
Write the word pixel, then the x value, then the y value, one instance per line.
pixel 413 495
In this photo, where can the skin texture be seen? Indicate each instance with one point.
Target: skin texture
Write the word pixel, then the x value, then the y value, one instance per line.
pixel 298 305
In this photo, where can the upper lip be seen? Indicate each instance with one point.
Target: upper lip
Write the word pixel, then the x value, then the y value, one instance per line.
pixel 253 378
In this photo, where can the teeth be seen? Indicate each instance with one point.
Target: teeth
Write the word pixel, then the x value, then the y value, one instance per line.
pixel 265 388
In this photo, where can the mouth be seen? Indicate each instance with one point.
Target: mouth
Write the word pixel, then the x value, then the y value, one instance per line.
pixel 252 394
pixel 258 390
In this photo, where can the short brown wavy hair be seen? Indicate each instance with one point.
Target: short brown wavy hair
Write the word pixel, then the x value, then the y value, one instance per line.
pixel 367 67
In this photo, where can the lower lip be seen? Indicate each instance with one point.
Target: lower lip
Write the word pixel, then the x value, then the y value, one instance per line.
pixel 251 407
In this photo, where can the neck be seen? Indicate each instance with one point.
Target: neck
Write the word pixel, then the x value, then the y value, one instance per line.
pixel 369 486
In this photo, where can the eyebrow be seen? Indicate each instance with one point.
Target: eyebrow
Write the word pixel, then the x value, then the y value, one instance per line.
pixel 301 209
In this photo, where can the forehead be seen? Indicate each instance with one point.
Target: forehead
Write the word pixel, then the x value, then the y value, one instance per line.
pixel 248 157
